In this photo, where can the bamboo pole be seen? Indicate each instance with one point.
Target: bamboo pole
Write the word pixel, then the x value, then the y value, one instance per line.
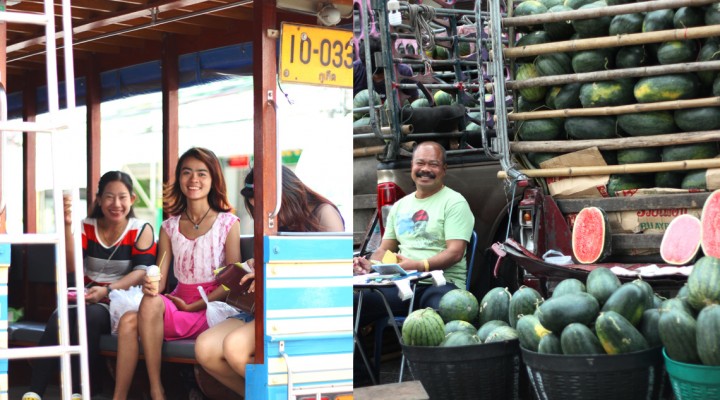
pixel 613 41
pixel 368 151
pixel 617 110
pixel 618 169
pixel 385 130
pixel 644 6
pixel 567 146
pixel 614 74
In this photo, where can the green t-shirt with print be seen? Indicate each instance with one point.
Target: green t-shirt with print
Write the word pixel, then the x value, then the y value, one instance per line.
pixel 422 226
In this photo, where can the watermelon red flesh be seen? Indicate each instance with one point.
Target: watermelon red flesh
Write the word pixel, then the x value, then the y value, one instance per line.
pixel 711 225
pixel 681 240
pixel 590 236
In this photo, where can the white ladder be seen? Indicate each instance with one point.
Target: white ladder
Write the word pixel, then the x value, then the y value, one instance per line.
pixel 55 127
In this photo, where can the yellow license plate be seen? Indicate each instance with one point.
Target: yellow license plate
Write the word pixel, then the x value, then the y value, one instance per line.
pixel 316 55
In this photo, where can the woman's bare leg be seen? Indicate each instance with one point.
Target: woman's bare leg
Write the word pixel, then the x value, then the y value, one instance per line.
pixel 127 355
pixel 151 327
pixel 239 350
pixel 209 353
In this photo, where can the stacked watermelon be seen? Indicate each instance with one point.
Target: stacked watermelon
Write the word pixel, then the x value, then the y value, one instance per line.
pixel 601 316
pixel 456 321
pixel 604 93
pixel 689 324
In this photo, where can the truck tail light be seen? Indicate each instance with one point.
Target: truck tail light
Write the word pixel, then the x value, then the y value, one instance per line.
pixel 387 194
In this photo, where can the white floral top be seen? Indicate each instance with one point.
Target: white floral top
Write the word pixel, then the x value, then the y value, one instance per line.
pixel 194 260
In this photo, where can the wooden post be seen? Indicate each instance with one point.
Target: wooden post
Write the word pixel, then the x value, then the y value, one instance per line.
pixel 93 116
pixel 170 103
pixel 3 82
pixel 29 155
pixel 265 36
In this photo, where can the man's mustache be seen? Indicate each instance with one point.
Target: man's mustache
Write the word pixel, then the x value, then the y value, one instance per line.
pixel 422 174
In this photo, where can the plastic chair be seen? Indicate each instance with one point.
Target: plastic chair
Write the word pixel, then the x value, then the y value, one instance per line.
pixel 383 323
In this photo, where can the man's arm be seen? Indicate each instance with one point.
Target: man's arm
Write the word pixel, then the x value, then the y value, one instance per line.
pixel 455 249
pixel 362 265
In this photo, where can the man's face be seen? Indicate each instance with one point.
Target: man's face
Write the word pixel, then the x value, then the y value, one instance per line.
pixel 428 169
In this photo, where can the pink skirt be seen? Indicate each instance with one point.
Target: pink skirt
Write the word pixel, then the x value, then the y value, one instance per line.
pixel 184 324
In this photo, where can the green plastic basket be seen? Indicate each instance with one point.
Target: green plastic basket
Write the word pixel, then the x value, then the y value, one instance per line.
pixel 693 381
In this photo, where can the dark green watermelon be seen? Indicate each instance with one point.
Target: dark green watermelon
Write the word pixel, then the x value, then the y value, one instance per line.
pixel 561 30
pixel 591 127
pixel 695 179
pixel 669 179
pixel 698 119
pixel 677 51
pixel 647 123
pixel 592 27
pixel 638 155
pixel 631 57
pixel 626 23
pixel 695 151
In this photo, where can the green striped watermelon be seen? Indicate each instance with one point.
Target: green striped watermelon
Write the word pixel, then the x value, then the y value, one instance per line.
pixel 579 339
pixel 524 301
pixel 494 305
pixel 617 335
pixel 423 328
pixel 459 338
pixel 704 283
pixel 458 304
pixel 459 326
pixel 601 283
pixel 550 344
pixel 488 327
pixel 678 334
pixel 501 334
pixel 708 335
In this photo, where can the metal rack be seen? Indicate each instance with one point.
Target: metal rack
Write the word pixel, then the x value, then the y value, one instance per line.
pixel 466 75
pixel 57 127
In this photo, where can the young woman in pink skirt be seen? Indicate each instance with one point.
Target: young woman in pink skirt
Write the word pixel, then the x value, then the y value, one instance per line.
pixel 200 235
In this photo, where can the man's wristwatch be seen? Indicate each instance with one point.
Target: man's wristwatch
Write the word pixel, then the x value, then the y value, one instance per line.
pixel 109 289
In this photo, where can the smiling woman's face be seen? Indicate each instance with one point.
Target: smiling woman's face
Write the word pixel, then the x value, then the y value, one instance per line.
pixel 116 201
pixel 195 179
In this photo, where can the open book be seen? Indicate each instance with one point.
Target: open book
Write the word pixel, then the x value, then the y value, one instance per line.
pixel 229 277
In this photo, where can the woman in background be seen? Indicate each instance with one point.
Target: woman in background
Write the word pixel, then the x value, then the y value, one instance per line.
pixel 225 350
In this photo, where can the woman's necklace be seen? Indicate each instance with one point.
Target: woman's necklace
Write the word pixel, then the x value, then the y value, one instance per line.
pixel 196 225
pixel 114 235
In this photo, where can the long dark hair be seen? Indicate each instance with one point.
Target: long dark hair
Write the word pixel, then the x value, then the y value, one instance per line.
pixel 299 203
pixel 175 201
pixel 111 176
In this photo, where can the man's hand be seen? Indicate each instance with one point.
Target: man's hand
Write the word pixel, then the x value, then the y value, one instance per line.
pixel 361 266
pixel 409 264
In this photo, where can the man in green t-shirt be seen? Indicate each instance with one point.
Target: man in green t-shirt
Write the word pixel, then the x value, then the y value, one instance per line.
pixel 429 230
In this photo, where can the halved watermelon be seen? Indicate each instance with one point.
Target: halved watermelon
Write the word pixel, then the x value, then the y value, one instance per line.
pixel 681 240
pixel 711 225
pixel 591 236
